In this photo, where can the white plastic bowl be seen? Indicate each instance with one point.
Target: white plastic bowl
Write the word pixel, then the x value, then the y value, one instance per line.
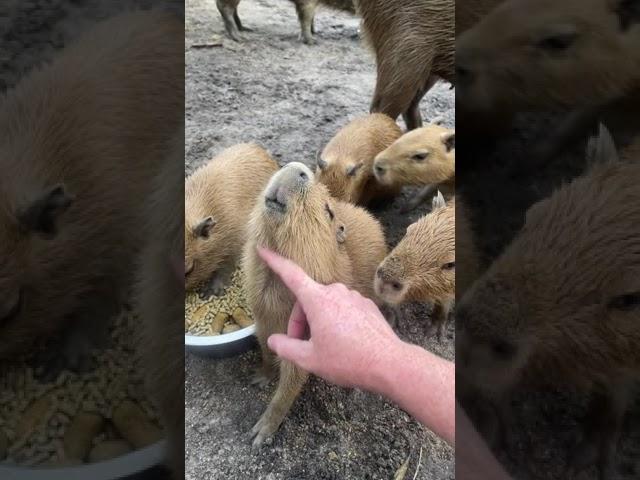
pixel 221 346
pixel 118 468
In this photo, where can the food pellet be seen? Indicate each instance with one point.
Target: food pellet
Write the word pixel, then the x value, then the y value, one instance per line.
pixel 219 314
pixel 134 425
pixel 79 435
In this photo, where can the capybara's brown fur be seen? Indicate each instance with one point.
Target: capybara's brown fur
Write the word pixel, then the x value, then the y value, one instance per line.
pixel 219 197
pixel 561 304
pixel 421 268
pixel 413 42
pixel 160 302
pixel 296 217
pixel 543 54
pixel 306 10
pixel 467 254
pixel 424 156
pixel 79 141
pixel 470 12
pixel 345 165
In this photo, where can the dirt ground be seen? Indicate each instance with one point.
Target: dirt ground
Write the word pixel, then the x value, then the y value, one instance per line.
pixel 291 98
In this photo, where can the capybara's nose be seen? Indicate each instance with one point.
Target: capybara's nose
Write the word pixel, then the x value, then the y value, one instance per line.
pixel 303 176
pixel 464 75
pixel 380 171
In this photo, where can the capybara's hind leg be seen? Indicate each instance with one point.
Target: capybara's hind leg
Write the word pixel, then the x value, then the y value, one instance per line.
pixel 412 117
pixel 227 9
pixel 292 379
pixel 306 11
pixel 267 370
pixel 241 27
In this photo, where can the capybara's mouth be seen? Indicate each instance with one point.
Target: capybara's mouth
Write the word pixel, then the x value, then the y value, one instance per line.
pixel 275 205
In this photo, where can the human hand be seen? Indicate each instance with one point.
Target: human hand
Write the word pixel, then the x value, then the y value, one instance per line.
pixel 333 332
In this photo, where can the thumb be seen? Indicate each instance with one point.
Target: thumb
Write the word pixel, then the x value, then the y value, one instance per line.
pixel 292 349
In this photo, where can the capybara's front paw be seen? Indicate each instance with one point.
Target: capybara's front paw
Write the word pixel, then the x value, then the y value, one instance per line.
pixel 263 430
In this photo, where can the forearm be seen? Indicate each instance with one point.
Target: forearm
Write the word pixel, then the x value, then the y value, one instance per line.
pixel 420 383
pixel 473 458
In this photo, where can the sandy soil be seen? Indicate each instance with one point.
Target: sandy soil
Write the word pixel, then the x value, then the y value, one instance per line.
pixel 291 98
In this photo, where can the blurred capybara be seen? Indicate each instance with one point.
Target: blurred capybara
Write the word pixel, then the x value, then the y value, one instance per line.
pixel 544 55
pixel 413 42
pixel 80 139
pixel 422 267
pixel 470 12
pixel 296 217
pixel 306 10
pixel 561 305
pixel 160 302
pixel 467 253
pixel 424 157
pixel 219 197
pixel 345 165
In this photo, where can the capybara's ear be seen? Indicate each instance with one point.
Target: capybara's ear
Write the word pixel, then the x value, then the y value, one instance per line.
pixel 42 215
pixel 438 201
pixel 203 229
pixel 353 169
pixel 319 161
pixel 329 209
pixel 449 140
pixel 601 148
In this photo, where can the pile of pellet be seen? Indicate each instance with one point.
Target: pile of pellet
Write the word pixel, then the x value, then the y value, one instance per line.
pixel 218 315
pixel 78 418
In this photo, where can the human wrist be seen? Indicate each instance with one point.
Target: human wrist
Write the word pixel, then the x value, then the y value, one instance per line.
pixel 382 372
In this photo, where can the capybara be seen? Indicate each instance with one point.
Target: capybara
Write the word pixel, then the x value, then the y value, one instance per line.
pixel 467 253
pixel 413 42
pixel 80 140
pixel 543 55
pixel 422 267
pixel 306 10
pixel 296 217
pixel 159 299
pixel 423 157
pixel 345 165
pixel 219 197
pixel 561 305
pixel 470 12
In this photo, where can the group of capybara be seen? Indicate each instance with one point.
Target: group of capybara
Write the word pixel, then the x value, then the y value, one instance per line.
pixel 319 220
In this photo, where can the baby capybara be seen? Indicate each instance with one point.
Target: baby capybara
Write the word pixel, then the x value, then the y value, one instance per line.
pixel 296 217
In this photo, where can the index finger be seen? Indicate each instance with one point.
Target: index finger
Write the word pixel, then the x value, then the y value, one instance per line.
pixel 301 285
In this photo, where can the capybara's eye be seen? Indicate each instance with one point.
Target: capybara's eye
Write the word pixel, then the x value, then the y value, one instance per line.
pixel 557 43
pixel 13 310
pixel 449 266
pixel 396 286
pixel 626 302
pixel 419 157
pixel 503 349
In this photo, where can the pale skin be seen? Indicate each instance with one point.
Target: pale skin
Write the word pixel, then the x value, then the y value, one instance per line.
pixel 341 336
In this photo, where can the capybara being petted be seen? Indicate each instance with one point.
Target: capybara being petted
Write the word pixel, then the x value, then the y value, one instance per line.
pixel 296 217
